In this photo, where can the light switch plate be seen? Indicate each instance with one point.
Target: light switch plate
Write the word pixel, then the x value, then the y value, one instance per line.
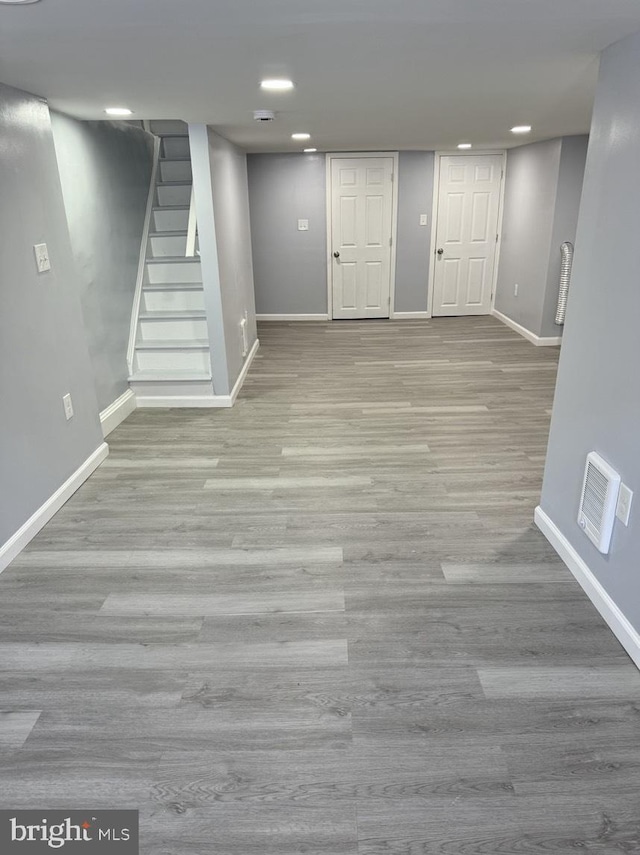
pixel 42 257
pixel 68 406
pixel 303 225
pixel 623 509
pixel 423 219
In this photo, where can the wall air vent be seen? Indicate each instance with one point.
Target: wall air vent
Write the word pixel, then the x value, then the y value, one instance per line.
pixel 598 502
pixel 264 115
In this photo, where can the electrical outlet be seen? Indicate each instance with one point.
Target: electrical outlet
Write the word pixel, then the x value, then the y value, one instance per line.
pixel 303 225
pixel 515 290
pixel 68 406
pixel 623 509
pixel 42 257
pixel 423 219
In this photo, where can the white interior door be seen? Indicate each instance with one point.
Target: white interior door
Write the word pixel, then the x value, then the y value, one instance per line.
pixel 361 224
pixel 466 233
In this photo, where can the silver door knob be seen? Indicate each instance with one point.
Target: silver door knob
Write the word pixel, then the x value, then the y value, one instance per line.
pixel 440 251
pixel 336 255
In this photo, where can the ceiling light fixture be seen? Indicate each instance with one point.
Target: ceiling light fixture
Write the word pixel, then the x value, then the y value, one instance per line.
pixel 18 2
pixel 521 129
pixel 277 85
pixel 301 136
pixel 464 145
pixel 118 111
pixel 309 150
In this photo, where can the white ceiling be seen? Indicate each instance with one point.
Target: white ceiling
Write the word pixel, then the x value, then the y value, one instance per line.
pixel 370 74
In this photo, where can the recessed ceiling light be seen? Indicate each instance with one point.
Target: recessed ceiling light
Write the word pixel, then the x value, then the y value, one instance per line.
pixel 277 85
pixel 464 145
pixel 521 129
pixel 118 111
pixel 309 150
pixel 300 136
pixel 18 2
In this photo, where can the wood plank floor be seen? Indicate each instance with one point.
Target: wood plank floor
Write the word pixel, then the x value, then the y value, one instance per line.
pixel 323 621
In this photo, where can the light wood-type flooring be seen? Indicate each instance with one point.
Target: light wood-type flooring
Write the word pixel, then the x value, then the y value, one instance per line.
pixel 323 622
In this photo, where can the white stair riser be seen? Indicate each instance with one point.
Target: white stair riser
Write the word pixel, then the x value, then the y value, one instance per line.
pixel 174 194
pixel 172 360
pixel 183 329
pixel 167 388
pixel 168 245
pixel 168 126
pixel 175 147
pixel 178 300
pixel 188 271
pixel 175 170
pixel 170 221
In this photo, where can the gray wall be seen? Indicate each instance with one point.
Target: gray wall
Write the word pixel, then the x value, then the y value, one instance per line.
pixel 43 350
pixel 233 236
pixel 597 404
pixel 224 234
pixel 531 182
pixel 105 170
pixel 415 197
pixel 542 196
pixel 573 156
pixel 291 266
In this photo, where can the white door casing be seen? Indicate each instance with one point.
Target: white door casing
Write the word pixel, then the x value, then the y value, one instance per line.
pixel 361 233
pixel 466 229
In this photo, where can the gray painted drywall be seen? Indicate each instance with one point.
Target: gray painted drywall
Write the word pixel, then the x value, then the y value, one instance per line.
pixel 105 170
pixel 290 266
pixel 224 234
pixel 597 403
pixel 203 192
pixel 233 236
pixel 415 197
pixel 531 182
pixel 573 157
pixel 543 183
pixel 43 349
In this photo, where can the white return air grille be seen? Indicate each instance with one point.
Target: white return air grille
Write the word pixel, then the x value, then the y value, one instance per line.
pixel 598 503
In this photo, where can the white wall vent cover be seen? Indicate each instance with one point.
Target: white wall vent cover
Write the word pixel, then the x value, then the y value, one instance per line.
pixel 598 502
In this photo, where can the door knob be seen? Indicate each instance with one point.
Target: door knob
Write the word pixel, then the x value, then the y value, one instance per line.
pixel 336 255
pixel 440 251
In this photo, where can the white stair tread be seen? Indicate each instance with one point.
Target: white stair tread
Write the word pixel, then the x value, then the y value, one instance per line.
pixel 174 259
pixel 173 344
pixel 173 286
pixel 171 315
pixel 162 375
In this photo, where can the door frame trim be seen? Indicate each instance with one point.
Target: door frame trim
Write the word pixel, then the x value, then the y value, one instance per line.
pixel 330 155
pixel 434 219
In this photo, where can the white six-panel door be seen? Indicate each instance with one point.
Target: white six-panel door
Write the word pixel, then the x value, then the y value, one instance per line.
pixel 466 233
pixel 361 230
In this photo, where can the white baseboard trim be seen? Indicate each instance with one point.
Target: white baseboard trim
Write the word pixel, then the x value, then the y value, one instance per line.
pixel 539 341
pixel 28 531
pixel 628 637
pixel 410 316
pixel 181 401
pixel 117 412
pixel 245 370
pixel 292 317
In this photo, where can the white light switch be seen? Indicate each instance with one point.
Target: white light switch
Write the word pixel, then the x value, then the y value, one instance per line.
pixel 42 257
pixel 623 510
pixel 423 219
pixel 68 406
pixel 303 225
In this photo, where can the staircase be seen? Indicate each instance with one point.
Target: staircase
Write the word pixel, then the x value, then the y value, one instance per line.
pixel 171 348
